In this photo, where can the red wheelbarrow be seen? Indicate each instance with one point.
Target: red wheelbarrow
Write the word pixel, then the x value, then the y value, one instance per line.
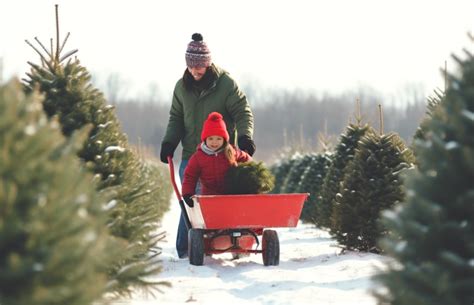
pixel 233 223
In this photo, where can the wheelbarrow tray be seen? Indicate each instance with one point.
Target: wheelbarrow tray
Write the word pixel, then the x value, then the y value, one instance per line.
pixel 256 211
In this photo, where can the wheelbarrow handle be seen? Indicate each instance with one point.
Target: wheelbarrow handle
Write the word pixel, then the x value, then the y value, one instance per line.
pixel 178 194
pixel 173 181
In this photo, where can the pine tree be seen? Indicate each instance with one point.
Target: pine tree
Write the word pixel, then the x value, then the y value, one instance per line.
pixel 294 176
pixel 343 155
pixel 281 169
pixel 433 102
pixel 70 96
pixel 311 182
pixel 432 233
pixel 249 178
pixel 371 183
pixel 53 236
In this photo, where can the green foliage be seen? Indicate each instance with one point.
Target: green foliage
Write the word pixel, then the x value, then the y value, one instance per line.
pixel 281 169
pixel 311 182
pixel 135 213
pixel 432 233
pixel 295 175
pixel 343 155
pixel 372 183
pixel 249 178
pixel 53 237
pixel 433 102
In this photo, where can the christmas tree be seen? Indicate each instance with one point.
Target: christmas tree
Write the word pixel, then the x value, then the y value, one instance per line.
pixel 432 233
pixel 53 236
pixel 311 182
pixel 249 178
pixel 372 183
pixel 281 169
pixel 70 96
pixel 343 155
pixel 433 102
pixel 294 176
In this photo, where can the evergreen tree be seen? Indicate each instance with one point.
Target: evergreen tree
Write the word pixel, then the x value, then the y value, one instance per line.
pixel 53 236
pixel 371 183
pixel 294 176
pixel 343 155
pixel 311 182
pixel 249 178
pixel 281 169
pixel 433 102
pixel 432 233
pixel 70 96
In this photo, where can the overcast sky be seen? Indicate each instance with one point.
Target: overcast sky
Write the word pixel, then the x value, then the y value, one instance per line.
pixel 330 46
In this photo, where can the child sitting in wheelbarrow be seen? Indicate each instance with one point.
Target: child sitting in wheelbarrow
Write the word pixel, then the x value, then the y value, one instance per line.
pixel 209 164
pixel 243 218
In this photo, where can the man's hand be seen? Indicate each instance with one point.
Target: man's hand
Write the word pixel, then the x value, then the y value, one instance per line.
pixel 188 200
pixel 167 149
pixel 246 144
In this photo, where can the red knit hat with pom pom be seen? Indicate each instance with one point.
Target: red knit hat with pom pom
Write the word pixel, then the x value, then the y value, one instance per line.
pixel 214 126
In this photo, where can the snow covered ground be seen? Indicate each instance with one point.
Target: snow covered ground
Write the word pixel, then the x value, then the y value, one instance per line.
pixel 311 271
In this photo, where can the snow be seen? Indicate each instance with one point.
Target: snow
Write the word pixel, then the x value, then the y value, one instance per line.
pixel 311 271
pixel 104 125
pixel 115 148
pixel 110 205
pixel 468 114
pixel 452 145
pixel 30 129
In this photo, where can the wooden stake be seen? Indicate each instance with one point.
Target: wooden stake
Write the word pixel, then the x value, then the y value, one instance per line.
pixel 358 115
pixel 301 137
pixel 57 33
pixel 381 119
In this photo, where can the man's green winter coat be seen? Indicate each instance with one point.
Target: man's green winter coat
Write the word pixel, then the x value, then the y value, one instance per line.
pixel 190 109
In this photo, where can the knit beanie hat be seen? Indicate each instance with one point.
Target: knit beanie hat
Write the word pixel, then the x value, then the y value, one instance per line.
pixel 214 126
pixel 198 54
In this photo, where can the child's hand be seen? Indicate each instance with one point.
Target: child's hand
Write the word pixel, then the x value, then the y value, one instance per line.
pixel 189 201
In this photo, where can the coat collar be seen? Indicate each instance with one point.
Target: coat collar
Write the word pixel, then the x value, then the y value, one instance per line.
pixel 207 82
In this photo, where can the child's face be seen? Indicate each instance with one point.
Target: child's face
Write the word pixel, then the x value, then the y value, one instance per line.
pixel 214 142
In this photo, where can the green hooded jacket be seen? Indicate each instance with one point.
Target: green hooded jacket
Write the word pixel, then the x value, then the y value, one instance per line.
pixel 189 110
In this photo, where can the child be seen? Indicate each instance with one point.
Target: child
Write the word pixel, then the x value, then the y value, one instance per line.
pixel 214 156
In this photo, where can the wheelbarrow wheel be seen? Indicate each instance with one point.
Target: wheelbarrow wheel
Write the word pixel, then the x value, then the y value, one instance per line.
pixel 196 247
pixel 270 248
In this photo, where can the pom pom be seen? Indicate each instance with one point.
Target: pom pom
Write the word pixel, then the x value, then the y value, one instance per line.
pixel 197 37
pixel 215 116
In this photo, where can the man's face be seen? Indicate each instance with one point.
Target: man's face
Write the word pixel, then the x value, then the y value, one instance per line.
pixel 197 72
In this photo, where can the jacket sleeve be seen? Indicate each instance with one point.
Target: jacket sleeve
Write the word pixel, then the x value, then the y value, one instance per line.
pixel 239 108
pixel 191 176
pixel 175 130
pixel 242 156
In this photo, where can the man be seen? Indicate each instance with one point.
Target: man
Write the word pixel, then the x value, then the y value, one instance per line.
pixel 204 88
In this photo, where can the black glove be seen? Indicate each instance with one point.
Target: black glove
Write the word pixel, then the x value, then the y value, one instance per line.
pixel 189 201
pixel 246 144
pixel 167 149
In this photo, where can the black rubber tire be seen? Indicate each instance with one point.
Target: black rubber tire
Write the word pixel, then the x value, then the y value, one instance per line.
pixel 271 248
pixel 196 247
